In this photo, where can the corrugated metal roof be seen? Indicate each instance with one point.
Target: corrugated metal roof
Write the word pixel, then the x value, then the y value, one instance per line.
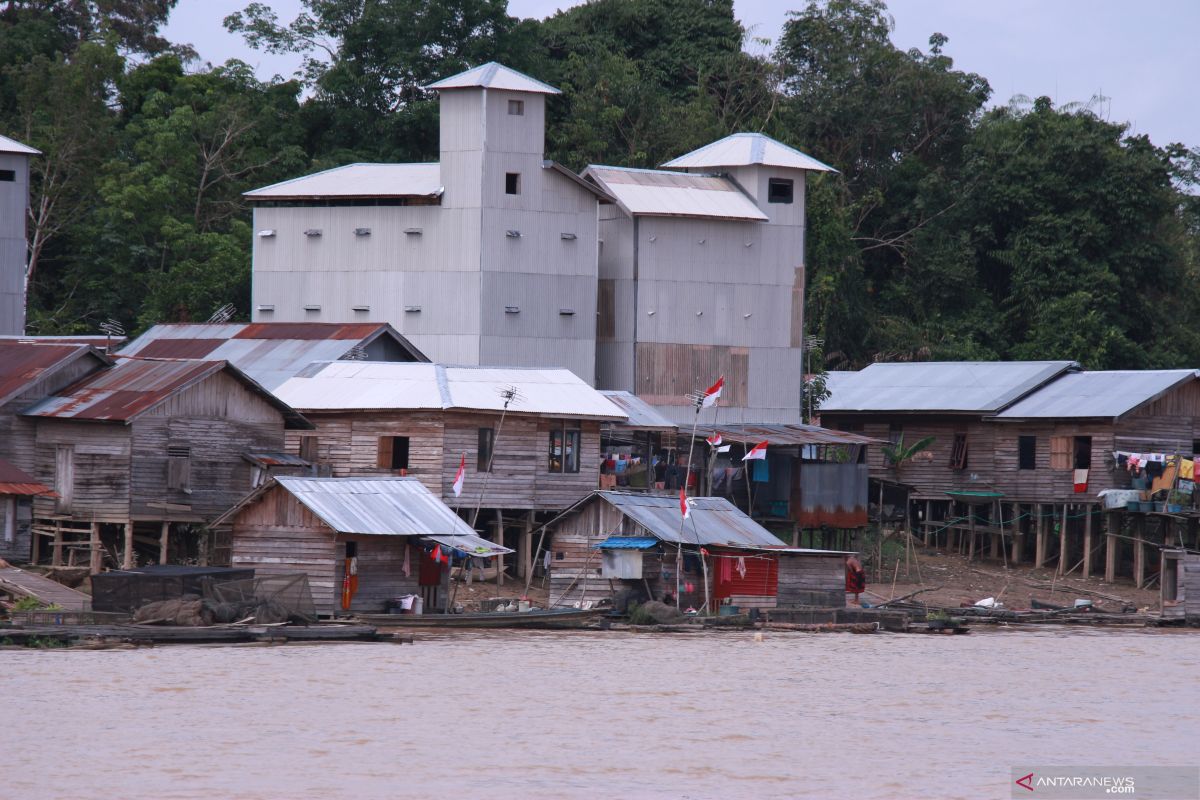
pixel 275 460
pixel 8 145
pixel 966 387
pixel 647 192
pixel 1102 394
pixel 367 385
pixel 269 352
pixel 494 76
pixel 642 415
pixel 132 388
pixel 17 481
pixel 782 434
pixel 358 181
pixel 98 341
pixel 386 507
pixel 713 520
pixel 744 149
pixel 627 543
pixel 22 363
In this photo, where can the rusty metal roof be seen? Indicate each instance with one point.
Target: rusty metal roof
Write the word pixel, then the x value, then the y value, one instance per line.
pixel 16 481
pixel 269 352
pixel 132 388
pixel 22 363
pixel 276 460
pixel 783 434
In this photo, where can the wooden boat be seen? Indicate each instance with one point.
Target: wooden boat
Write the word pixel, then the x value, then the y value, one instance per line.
pixel 539 618
pixel 1039 605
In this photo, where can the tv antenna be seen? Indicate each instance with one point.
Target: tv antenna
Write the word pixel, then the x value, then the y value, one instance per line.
pixel 110 328
pixel 223 314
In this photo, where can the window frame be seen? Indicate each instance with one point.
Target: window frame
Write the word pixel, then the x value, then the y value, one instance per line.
pixel 483 464
pixel 179 468
pixel 8 176
pixel 1023 440
pixel 385 454
pixel 1084 462
pixel 512 183
pixel 959 451
pixel 568 437
pixel 788 183
pixel 516 108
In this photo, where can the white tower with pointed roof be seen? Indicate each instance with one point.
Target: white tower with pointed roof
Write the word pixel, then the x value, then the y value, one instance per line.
pixel 14 249
pixel 486 257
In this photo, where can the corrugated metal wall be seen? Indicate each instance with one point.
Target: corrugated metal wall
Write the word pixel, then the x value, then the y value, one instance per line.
pixel 14 201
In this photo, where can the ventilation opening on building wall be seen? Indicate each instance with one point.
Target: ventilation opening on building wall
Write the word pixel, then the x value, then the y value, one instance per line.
pixel 516 108
pixel 512 183
pixel 9 175
pixel 779 190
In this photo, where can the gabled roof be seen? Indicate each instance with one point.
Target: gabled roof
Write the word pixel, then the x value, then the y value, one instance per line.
pixel 129 390
pixel 1107 394
pixel 494 76
pixel 358 181
pixel 377 507
pixel 651 192
pixel 953 387
pixel 642 415
pixel 23 362
pixel 269 352
pixel 379 386
pixel 745 149
pixel 712 521
pixel 8 145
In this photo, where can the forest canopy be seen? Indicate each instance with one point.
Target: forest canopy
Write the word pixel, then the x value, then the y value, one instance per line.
pixel 953 229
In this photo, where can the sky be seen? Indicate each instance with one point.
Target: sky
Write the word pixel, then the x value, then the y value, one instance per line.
pixel 1142 57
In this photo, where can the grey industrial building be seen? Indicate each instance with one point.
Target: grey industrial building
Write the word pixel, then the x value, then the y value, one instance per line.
pixel 649 281
pixel 14 249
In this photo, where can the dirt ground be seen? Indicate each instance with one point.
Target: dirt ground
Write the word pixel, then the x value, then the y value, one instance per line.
pixel 469 597
pixel 964 582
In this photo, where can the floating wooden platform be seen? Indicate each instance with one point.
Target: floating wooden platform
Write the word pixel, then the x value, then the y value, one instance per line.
pixel 24 583
pixel 216 634
pixel 544 618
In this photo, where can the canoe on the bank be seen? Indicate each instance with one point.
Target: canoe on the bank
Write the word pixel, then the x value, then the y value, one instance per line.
pixel 541 618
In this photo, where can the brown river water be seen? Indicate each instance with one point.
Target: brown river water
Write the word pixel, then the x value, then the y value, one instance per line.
pixel 596 715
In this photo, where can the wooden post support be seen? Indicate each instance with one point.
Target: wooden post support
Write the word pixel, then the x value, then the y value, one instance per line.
pixel 1112 526
pixel 1139 551
pixel 56 557
pixel 971 546
pixel 525 566
pixel 928 519
pixel 35 547
pixel 1018 531
pixel 127 556
pixel 164 542
pixel 1062 542
pixel 498 538
pixel 795 534
pixel 998 538
pixel 1039 558
pixel 1087 544
pixel 95 555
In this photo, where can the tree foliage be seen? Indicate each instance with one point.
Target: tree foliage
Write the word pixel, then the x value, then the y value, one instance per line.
pixel 950 231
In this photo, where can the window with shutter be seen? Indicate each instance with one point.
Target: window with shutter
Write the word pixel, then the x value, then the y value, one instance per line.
pixel 179 468
pixel 1026 452
pixel 64 477
pixel 393 452
pixel 1060 452
pixel 958 453
pixel 308 448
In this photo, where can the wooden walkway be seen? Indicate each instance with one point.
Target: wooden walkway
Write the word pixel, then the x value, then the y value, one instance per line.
pixel 30 584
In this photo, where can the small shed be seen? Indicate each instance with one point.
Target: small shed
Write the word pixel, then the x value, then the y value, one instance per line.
pixel 17 490
pixel 362 541
pixel 613 544
pixel 1180 586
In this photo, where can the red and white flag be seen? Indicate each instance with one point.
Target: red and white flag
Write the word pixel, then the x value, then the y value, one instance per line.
pixel 757 453
pixel 684 508
pixel 713 393
pixel 714 440
pixel 460 475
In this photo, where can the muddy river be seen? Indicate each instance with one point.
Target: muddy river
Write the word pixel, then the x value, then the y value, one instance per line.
pixel 595 715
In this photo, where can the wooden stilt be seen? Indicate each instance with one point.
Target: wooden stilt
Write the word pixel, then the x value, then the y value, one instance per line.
pixel 95 556
pixel 164 542
pixel 1087 544
pixel 1112 527
pixel 127 556
pixel 526 563
pixel 1018 542
pixel 997 538
pixel 1039 558
pixel 1062 542
pixel 56 556
pixel 35 547
pixel 498 538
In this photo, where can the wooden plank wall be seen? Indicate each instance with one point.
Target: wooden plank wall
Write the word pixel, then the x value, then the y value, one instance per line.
pixel 19 549
pixel 277 536
pixel 811 580
pixel 380 571
pixel 1190 567
pixel 102 458
pixel 667 373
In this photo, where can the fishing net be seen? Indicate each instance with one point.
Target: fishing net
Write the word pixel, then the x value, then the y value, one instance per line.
pixel 266 600
pixel 125 591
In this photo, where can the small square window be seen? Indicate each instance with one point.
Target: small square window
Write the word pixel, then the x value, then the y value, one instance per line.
pixel 516 108
pixel 393 452
pixel 512 183
pixel 779 190
pixel 8 175
pixel 958 452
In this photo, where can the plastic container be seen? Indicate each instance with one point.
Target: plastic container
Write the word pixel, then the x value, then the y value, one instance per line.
pixel 523 605
pixel 729 611
pixel 1133 505
pixel 1147 505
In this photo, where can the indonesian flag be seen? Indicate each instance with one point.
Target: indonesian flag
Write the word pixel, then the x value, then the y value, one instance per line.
pixel 713 393
pixel 437 554
pixel 684 508
pixel 458 476
pixel 714 440
pixel 757 453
